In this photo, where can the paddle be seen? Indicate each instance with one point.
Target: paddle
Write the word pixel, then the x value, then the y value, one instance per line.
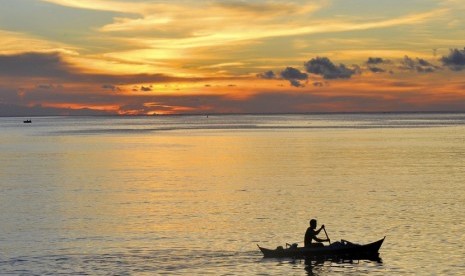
pixel 327 235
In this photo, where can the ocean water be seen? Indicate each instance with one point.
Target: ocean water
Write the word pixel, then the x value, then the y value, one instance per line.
pixel 193 195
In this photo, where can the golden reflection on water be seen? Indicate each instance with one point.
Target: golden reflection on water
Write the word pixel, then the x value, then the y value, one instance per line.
pixel 229 190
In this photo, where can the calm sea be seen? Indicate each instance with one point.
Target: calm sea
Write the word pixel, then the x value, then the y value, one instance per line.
pixel 193 195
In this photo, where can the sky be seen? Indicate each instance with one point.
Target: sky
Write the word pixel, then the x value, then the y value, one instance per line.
pixel 147 57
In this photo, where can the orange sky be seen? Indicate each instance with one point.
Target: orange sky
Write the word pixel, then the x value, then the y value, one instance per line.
pixel 75 57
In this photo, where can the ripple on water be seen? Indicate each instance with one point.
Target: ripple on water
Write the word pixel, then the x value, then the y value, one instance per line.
pixel 175 262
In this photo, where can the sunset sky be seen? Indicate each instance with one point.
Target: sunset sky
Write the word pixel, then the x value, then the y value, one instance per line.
pixel 85 57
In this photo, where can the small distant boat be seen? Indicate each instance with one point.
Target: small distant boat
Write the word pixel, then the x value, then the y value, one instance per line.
pixel 343 250
pixel 27 121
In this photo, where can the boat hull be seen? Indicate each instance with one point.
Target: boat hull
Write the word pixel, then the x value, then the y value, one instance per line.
pixel 348 251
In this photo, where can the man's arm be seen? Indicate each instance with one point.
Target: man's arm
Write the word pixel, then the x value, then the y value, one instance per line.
pixel 320 240
pixel 319 230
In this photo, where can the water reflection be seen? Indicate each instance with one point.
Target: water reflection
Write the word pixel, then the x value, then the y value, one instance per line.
pixel 196 201
pixel 312 265
pixel 321 267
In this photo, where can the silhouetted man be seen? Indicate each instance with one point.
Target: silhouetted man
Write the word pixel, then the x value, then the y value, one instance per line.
pixel 311 234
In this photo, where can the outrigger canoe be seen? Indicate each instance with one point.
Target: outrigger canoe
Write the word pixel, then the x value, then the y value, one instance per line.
pixel 343 250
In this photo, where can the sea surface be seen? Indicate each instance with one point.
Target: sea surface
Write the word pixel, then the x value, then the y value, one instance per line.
pixel 193 195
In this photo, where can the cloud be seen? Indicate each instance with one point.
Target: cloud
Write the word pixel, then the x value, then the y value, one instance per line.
pixel 324 67
pixel 375 60
pixel 292 73
pixel 110 87
pixel 55 66
pixel 294 76
pixel 145 88
pixel 268 75
pixel 376 69
pixel 39 110
pixel 270 8
pixel 166 29
pixel 282 100
pixel 455 60
pixel 296 83
pixel 424 62
pixel 374 65
pixel 34 64
pixel 16 42
pixel 45 86
pixel 169 32
pixel 419 65
pixel 319 66
pixel 10 95
pixel 103 5
pixel 137 108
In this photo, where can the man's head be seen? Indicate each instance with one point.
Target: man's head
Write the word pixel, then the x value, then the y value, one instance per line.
pixel 313 223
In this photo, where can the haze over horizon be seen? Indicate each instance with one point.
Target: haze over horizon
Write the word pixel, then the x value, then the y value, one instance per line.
pixel 144 57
